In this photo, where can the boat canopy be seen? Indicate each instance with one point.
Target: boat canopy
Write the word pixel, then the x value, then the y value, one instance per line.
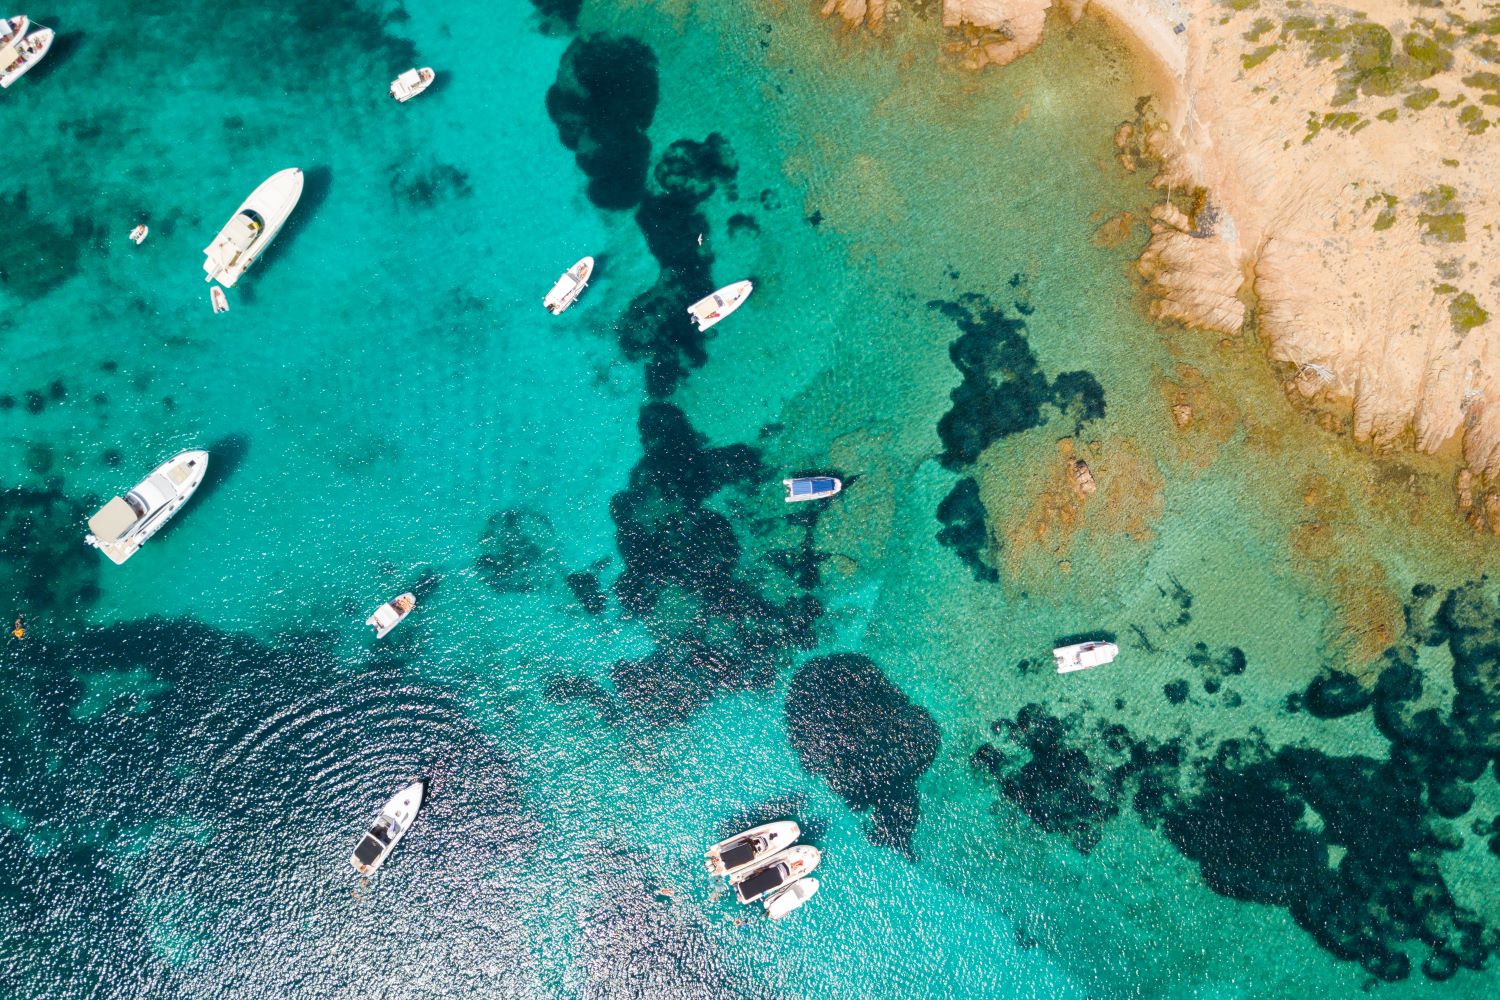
pixel 811 485
pixel 741 852
pixel 113 520
pixel 8 56
pixel 764 880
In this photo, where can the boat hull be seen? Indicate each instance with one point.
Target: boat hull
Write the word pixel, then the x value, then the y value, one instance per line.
pixel 390 614
pixel 13 29
pixel 32 49
pixel 764 841
pixel 1083 655
pixel 776 873
pixel 181 474
pixel 273 202
pixel 566 289
pixel 712 309
pixel 389 828
pixel 790 899
pixel 404 87
pixel 821 492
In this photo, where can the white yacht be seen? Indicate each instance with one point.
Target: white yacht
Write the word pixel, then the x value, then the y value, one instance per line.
pixel 709 310
pixel 122 526
pixel 776 872
pixel 744 849
pixel 391 613
pixel 252 227
pixel 811 488
pixel 574 280
pixel 1082 655
pixel 17 59
pixel 790 898
pixel 390 826
pixel 411 83
pixel 13 29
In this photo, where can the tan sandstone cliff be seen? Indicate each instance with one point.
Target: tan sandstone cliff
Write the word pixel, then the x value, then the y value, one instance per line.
pixel 1334 185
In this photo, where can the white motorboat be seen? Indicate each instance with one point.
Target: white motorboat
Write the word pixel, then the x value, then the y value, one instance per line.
pixel 139 233
pixel 1082 655
pixel 776 872
pixel 252 227
pixel 744 849
pixel 709 310
pixel 124 524
pixel 391 613
pixel 411 83
pixel 567 289
pixel 395 818
pixel 811 488
pixel 13 29
pixel 791 898
pixel 219 299
pixel 18 59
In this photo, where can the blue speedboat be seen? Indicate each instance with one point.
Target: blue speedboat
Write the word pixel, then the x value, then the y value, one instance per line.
pixel 811 488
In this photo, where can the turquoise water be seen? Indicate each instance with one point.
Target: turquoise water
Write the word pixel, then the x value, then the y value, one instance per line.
pixel 626 645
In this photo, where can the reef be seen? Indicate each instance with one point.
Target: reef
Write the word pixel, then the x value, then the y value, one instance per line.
pixel 41 552
pixel 518 551
pixel 602 103
pixel 861 734
pixel 1350 845
pixel 966 529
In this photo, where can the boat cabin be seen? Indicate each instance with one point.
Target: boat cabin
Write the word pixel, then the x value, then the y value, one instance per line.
pixel 762 882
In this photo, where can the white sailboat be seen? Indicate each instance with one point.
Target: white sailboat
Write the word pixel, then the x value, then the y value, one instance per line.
pixel 124 524
pixel 712 308
pixel 252 227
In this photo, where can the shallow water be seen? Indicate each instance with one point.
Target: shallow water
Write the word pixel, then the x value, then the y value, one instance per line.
pixel 623 645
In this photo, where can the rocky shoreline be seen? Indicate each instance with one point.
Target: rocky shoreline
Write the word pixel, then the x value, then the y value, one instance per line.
pixel 1326 179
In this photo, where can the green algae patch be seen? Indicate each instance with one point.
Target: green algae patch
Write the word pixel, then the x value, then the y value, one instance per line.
pixel 1441 222
pixel 1371 63
pixel 1260 27
pixel 1466 313
pixel 1421 98
pixel 1473 119
pixel 1387 217
pixel 1250 60
pixel 1388 115
pixel 1483 80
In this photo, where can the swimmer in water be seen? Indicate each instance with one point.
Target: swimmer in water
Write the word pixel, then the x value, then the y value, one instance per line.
pixel 20 630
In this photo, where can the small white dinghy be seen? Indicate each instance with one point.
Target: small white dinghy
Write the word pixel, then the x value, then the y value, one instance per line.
pixel 219 299
pixel 411 83
pixel 1083 655
pixel 711 308
pixel 18 59
pixel 776 873
pixel 744 849
pixel 791 898
pixel 391 613
pixel 139 233
pixel 390 826
pixel 567 289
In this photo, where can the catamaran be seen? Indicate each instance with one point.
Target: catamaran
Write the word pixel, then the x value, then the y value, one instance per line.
pixel 776 873
pixel 18 59
pixel 390 826
pixel 124 524
pixel 710 309
pixel 252 227
pixel 1082 655
pixel 744 849
pixel 811 488
pixel 411 83
pixel 567 289
pixel 391 613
